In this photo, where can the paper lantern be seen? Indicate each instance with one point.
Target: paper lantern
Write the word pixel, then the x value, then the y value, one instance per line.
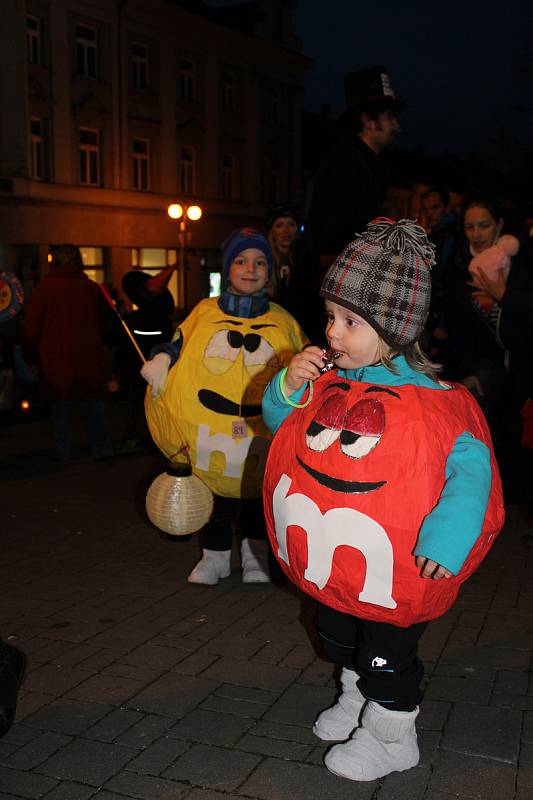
pixel 178 502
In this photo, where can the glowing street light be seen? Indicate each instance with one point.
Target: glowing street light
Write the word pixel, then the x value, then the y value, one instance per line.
pixel 183 214
pixel 176 211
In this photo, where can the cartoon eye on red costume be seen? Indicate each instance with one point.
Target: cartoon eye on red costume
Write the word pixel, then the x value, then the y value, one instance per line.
pixel 359 429
pixel 327 424
pixel 363 428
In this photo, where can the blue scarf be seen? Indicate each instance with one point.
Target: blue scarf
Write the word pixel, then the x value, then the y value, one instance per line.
pixel 243 305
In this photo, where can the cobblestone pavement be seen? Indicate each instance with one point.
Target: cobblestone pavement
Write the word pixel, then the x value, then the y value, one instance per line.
pixel 140 685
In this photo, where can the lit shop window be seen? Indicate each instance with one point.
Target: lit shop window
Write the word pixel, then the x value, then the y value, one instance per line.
pixel 93 263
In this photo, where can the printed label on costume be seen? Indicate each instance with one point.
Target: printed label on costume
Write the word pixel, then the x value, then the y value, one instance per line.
pixel 239 429
pixel 326 532
pixel 235 451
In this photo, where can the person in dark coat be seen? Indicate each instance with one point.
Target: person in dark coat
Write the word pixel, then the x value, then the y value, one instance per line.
pixel 12 668
pixel 488 318
pixel 63 333
pixel 348 191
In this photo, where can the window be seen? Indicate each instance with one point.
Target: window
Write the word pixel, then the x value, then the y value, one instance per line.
pixel 141 164
pixel 39 160
pixel 228 92
pixel 89 157
pixel 139 67
pixel 187 81
pixel 186 170
pixel 86 51
pixel 33 40
pixel 93 263
pixel 228 176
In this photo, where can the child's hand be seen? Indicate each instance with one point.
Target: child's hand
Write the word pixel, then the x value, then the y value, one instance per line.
pixel 430 569
pixel 304 366
pixel 155 372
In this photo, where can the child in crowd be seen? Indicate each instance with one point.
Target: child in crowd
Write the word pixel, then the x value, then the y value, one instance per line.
pixel 209 410
pixel 382 494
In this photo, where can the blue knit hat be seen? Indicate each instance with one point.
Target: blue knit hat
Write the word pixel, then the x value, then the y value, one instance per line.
pixel 243 239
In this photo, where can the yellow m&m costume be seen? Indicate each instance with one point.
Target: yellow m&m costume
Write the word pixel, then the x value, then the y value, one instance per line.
pixel 211 404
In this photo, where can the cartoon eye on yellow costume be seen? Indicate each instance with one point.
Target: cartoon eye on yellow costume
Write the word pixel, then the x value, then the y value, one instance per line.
pixel 212 401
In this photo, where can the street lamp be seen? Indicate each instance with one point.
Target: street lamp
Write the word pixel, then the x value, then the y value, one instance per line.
pixel 184 214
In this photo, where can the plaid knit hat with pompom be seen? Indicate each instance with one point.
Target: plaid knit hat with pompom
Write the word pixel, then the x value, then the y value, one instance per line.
pixel 384 276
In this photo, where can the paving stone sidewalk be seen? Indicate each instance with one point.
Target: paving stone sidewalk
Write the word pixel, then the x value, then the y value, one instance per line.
pixel 142 686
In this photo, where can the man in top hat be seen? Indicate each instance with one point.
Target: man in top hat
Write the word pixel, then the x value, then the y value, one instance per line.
pixel 349 187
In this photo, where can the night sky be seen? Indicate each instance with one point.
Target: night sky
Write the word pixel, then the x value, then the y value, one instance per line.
pixel 456 64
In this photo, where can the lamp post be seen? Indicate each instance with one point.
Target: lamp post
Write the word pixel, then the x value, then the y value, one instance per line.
pixel 183 214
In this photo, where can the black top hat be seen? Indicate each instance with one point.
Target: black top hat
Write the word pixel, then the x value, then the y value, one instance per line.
pixel 368 88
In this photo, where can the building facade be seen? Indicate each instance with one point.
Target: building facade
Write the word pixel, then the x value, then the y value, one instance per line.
pixel 110 111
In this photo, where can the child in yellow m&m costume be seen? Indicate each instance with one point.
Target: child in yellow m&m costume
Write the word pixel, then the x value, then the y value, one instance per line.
pixel 205 403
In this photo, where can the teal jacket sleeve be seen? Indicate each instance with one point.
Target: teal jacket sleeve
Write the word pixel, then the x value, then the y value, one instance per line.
pixel 449 532
pixel 275 407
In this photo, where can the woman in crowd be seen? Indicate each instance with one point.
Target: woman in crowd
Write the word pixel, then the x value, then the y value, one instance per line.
pixel 488 317
pixel 283 226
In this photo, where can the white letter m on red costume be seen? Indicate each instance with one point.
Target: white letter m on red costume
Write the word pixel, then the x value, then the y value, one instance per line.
pixel 325 532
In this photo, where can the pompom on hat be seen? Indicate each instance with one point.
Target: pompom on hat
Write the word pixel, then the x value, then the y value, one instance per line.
pixel 384 276
pixel 244 239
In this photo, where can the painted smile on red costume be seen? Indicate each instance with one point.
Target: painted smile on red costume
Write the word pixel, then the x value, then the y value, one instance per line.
pixel 358 429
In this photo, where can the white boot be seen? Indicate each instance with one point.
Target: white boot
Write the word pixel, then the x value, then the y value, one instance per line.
pixel 386 742
pixel 337 723
pixel 213 565
pixel 254 555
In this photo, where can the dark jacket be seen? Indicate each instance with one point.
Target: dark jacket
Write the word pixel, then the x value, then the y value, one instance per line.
pixel 62 332
pixel 472 338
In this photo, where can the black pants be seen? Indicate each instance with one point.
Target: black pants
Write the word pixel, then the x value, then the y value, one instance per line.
pixel 384 656
pixel 245 515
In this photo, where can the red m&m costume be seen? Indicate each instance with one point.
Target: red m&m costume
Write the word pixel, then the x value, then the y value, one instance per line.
pixel 348 483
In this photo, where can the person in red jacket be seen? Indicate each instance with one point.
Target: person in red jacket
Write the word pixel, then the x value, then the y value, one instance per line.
pixel 63 333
